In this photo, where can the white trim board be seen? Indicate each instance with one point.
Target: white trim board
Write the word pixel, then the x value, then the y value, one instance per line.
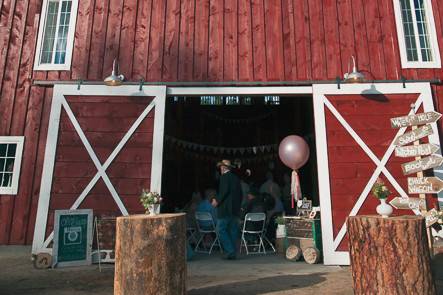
pixel 69 42
pixel 58 102
pixel 320 92
pixel 19 140
pixel 436 63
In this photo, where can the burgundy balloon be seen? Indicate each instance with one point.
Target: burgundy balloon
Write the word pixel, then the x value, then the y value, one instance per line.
pixel 293 151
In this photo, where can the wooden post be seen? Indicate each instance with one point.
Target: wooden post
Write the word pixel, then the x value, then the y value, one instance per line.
pixel 150 255
pixel 389 255
pixel 422 196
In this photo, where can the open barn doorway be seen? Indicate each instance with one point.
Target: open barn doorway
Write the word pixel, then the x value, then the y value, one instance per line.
pixel 202 130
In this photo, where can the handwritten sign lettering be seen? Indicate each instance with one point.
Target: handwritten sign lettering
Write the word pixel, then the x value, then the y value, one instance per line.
pixel 408 203
pixel 431 217
pixel 424 185
pixel 415 150
pixel 422 164
pixel 414 120
pixel 413 135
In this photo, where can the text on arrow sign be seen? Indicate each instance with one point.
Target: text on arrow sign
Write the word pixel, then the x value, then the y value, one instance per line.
pixel 424 185
pixel 422 164
pixel 414 120
pixel 413 135
pixel 415 150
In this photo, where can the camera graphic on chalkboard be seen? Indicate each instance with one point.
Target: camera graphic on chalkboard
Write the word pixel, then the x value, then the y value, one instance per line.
pixel 72 235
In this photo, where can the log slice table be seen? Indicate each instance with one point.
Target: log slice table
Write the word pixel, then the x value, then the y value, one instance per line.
pixel 150 255
pixel 389 255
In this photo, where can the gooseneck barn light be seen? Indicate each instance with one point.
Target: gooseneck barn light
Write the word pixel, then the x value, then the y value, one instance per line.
pixel 355 76
pixel 115 79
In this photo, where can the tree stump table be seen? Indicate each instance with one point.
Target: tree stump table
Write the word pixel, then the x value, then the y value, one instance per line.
pixel 150 255
pixel 389 255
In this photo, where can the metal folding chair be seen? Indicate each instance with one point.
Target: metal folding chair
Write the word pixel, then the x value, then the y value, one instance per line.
pixel 253 230
pixel 206 226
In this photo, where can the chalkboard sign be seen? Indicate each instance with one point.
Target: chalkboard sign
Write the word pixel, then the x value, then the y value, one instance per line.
pixel 72 237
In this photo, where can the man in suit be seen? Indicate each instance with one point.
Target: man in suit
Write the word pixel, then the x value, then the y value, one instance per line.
pixel 228 204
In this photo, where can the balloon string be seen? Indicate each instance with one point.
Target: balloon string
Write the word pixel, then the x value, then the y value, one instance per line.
pixel 295 188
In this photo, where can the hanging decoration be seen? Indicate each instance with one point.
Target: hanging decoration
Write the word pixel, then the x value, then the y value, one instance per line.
pixel 294 153
pixel 214 153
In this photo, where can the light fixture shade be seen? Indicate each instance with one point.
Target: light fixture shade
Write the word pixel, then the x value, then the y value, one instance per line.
pixel 355 76
pixel 115 79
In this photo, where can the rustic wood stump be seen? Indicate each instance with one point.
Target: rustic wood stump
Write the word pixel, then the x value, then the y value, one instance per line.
pixel 293 253
pixel 150 255
pixel 311 255
pixel 389 255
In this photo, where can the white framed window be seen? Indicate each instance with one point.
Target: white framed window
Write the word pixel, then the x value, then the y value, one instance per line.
pixel 417 37
pixel 11 151
pixel 56 35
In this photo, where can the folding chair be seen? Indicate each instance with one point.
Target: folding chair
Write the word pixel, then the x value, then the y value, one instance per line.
pixel 206 226
pixel 253 228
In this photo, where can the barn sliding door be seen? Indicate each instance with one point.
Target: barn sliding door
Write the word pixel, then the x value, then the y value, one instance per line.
pixel 354 142
pixel 104 145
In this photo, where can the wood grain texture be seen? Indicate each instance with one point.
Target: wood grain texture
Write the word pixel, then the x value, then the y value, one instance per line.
pixel 201 39
pixel 171 51
pixel 216 24
pixel 186 52
pixel 390 255
pixel 230 42
pixel 150 255
pixel 245 53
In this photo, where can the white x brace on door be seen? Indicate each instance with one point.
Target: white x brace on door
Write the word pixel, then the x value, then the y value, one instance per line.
pixel 59 102
pixel 322 103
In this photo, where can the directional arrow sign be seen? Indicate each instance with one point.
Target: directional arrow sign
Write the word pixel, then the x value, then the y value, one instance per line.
pixel 414 120
pixel 424 185
pixel 413 135
pixel 422 164
pixel 415 150
pixel 408 203
pixel 431 217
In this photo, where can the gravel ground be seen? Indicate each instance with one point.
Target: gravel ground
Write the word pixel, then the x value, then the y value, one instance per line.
pixel 270 274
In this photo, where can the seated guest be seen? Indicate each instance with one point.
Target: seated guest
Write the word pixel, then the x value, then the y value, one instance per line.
pixel 255 204
pixel 205 206
pixel 190 209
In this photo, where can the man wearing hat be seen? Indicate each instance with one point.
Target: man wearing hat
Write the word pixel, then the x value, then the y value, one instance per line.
pixel 228 203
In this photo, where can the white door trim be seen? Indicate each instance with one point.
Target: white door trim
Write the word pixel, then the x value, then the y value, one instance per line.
pixel 331 256
pixel 59 101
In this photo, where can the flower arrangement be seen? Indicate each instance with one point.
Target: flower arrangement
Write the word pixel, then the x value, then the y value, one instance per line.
pixel 148 199
pixel 380 190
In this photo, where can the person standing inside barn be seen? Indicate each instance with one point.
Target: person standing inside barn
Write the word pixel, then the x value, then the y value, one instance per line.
pixel 228 203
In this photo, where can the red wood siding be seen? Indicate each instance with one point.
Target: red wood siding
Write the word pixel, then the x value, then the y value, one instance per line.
pixel 193 40
pixel 349 166
pixel 104 121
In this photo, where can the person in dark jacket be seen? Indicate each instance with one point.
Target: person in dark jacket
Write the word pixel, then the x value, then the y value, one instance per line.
pixel 228 203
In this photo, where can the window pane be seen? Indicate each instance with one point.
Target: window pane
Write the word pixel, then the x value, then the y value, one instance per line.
pixel 9 167
pixel 423 32
pixel 7 180
pixel 1 179
pixel 408 27
pixel 63 29
pixel 3 149
pixel 49 35
pixel 2 165
pixel 11 149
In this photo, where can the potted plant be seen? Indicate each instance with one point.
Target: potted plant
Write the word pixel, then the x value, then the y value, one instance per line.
pixel 151 202
pixel 381 192
pixel 281 227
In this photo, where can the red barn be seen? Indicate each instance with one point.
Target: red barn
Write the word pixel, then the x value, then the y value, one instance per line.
pixel 204 80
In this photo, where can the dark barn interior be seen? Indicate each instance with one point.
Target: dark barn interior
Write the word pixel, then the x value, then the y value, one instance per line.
pixel 200 131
